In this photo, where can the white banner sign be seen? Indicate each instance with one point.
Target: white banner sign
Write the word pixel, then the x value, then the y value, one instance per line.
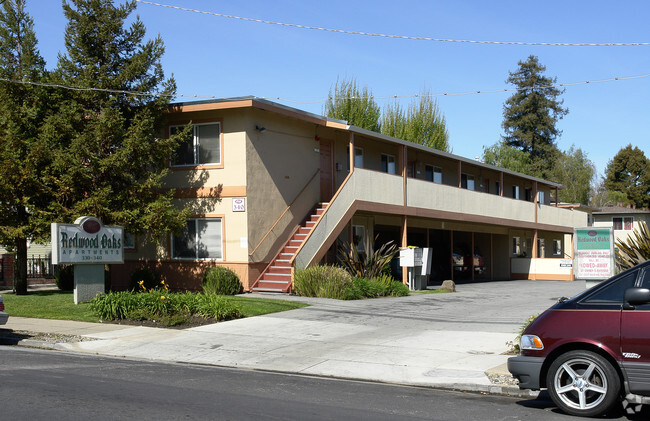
pixel 87 241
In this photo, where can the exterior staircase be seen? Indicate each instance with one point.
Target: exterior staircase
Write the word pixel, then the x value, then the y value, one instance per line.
pixel 277 275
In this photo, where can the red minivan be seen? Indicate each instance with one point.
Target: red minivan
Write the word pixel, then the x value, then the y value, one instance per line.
pixel 592 350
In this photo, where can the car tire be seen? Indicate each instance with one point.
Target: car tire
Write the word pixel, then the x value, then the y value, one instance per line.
pixel 583 383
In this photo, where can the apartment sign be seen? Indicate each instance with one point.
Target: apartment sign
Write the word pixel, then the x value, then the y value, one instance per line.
pixel 594 253
pixel 87 241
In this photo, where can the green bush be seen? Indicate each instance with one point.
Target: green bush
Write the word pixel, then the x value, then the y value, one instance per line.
pixel 144 279
pixel 326 282
pixel 398 289
pixel 221 281
pixel 65 278
pixel 169 308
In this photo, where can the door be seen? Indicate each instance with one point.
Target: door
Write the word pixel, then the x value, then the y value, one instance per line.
pixel 635 342
pixel 326 170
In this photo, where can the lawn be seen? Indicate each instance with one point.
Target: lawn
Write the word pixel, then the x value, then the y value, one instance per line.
pixel 60 305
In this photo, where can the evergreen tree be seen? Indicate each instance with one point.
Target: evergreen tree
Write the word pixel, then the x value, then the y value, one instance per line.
pixel 629 173
pixel 23 155
pixel 346 101
pixel 422 123
pixel 111 154
pixel 531 114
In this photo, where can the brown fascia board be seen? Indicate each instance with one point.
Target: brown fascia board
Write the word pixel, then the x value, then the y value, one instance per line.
pixel 263 104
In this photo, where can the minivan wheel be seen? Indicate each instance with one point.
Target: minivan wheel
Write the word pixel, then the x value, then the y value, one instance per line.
pixel 583 383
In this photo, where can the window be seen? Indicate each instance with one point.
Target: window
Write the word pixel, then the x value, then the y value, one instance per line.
pixel 623 223
pixel 129 241
pixel 516 246
pixel 359 237
pixel 358 157
pixel 613 293
pixel 529 195
pixel 515 192
pixel 497 188
pixel 432 173
pixel 540 197
pixel 467 181
pixel 557 247
pixel 199 239
pixel 541 248
pixel 388 163
pixel 202 147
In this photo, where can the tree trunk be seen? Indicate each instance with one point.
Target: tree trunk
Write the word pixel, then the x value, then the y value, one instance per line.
pixel 20 274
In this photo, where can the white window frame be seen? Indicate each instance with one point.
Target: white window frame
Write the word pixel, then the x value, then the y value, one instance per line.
pixel 390 159
pixel 515 192
pixel 197 144
pixel 198 243
pixel 540 197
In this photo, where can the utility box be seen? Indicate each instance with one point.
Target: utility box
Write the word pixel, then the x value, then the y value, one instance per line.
pixel 418 264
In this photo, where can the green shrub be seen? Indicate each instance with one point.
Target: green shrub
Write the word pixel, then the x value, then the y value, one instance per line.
pixel 326 282
pixel 169 308
pixel 144 279
pixel 398 289
pixel 65 278
pixel 221 281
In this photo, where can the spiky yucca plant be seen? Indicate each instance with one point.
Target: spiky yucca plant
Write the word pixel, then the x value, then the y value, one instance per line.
pixel 366 265
pixel 636 249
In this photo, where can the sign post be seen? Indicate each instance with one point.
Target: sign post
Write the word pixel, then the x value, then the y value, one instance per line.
pixel 88 245
pixel 593 254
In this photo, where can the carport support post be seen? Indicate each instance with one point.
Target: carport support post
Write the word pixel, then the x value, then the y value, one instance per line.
pixel 405 276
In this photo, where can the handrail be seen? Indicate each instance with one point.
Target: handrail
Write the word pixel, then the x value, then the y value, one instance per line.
pixel 283 213
pixel 293 259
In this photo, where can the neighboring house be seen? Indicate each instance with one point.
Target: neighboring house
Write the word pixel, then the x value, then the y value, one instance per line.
pixel 624 220
pixel 273 189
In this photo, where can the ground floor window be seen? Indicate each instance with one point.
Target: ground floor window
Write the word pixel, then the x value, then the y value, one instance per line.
pixel 199 239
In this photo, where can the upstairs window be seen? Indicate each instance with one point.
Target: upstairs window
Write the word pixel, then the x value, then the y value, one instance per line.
pixel 358 157
pixel 467 181
pixel 432 173
pixel 540 197
pixel 497 186
pixel 200 148
pixel 388 164
pixel 515 192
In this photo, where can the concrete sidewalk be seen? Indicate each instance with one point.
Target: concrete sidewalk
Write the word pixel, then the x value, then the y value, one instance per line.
pixel 453 341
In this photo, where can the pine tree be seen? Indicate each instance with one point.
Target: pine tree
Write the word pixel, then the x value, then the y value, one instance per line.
pixel 531 114
pixel 111 154
pixel 23 154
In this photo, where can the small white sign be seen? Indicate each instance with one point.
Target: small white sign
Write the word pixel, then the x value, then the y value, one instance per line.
pixel 243 242
pixel 238 204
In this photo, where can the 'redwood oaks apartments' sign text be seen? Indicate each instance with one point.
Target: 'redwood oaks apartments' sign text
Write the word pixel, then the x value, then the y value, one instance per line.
pixel 87 241
pixel 594 253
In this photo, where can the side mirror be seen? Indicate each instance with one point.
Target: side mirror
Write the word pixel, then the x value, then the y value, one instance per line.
pixel 636 296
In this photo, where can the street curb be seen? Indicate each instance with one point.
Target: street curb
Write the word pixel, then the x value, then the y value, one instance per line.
pixel 495 389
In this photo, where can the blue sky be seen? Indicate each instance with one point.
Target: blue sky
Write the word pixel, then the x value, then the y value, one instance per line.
pixel 216 56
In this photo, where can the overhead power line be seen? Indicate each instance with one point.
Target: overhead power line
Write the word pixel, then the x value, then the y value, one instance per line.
pixel 305 100
pixel 372 34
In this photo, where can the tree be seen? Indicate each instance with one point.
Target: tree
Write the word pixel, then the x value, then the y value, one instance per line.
pixel 629 173
pixel 575 171
pixel 346 101
pixel 508 157
pixel 422 123
pixel 531 114
pixel 23 155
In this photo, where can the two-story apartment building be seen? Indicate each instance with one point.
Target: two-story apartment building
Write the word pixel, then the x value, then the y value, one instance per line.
pixel 273 189
pixel 623 219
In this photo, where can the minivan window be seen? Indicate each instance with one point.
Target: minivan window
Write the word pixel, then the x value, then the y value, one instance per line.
pixel 613 293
